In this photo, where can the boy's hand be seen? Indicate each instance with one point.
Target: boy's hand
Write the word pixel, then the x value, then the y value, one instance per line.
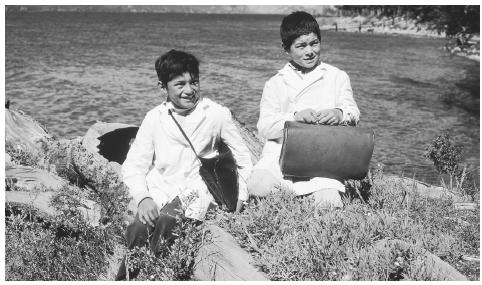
pixel 329 117
pixel 148 212
pixel 306 116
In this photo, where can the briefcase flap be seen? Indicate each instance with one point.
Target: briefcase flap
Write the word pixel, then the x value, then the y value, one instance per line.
pixel 338 152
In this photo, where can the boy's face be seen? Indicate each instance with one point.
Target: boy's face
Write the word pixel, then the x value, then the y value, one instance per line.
pixel 305 51
pixel 183 91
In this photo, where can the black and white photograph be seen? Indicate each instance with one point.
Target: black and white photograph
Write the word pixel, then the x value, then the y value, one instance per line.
pixel 209 142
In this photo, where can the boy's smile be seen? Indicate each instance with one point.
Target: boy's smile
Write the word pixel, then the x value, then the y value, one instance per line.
pixel 305 52
pixel 183 91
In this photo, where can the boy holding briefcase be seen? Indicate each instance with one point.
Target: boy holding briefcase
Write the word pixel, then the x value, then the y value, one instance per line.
pixel 305 90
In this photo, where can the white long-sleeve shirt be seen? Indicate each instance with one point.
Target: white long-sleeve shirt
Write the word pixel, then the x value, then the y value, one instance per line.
pixel 289 91
pixel 161 164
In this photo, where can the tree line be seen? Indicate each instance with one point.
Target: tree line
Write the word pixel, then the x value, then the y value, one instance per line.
pixel 453 20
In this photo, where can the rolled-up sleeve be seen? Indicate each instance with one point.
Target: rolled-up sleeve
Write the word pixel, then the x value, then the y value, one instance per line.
pixel 271 118
pixel 345 101
pixel 138 161
pixel 230 135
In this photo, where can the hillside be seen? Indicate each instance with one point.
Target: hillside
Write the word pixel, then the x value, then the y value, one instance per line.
pixel 399 26
pixel 207 9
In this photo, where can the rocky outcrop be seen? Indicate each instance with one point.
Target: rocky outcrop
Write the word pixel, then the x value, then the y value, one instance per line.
pixel 439 269
pixel 110 140
pixel 31 179
pixel 222 259
pixel 24 133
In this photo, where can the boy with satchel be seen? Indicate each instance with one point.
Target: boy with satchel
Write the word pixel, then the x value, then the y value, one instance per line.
pixel 304 90
pixel 180 144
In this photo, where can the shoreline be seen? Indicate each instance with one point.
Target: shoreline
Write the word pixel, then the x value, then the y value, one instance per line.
pixel 399 26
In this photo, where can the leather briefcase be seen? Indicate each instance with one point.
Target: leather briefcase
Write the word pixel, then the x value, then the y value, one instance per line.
pixel 338 152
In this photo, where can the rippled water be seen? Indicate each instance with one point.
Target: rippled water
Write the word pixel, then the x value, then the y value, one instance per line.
pixel 69 70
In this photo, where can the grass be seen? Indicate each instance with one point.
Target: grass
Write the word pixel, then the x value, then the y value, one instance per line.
pixel 61 248
pixel 19 156
pixel 65 247
pixel 176 258
pixel 289 238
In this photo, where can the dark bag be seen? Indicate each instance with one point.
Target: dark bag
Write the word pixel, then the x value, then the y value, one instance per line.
pixel 220 173
pixel 338 152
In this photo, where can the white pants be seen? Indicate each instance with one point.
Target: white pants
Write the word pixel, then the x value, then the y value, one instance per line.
pixel 266 178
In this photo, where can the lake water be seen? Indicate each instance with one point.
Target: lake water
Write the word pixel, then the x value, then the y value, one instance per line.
pixel 69 70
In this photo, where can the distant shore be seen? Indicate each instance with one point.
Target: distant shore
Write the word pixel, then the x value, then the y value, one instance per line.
pixel 398 26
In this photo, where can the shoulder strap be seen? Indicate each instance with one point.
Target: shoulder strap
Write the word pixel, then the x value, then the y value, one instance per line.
pixel 182 131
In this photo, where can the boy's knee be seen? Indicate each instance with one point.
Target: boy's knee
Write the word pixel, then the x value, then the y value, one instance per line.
pixel 327 198
pixel 137 233
pixel 261 183
pixel 137 226
pixel 165 223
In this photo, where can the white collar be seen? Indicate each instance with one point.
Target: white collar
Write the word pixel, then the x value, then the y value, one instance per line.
pixel 289 69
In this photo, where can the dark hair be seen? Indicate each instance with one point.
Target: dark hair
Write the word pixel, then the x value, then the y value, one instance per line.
pixel 297 24
pixel 174 63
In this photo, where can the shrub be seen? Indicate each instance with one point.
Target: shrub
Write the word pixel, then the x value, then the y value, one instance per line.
pixel 19 156
pixel 47 249
pixel 291 239
pixel 79 251
pixel 445 155
pixel 175 259
pixel 96 178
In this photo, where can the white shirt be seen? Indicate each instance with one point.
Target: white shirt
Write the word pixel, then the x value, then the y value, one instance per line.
pixel 161 164
pixel 287 92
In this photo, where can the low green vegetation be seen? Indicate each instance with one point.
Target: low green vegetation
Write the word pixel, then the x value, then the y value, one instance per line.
pixel 60 248
pixel 19 156
pixel 383 232
pixel 446 156
pixel 291 239
pixel 175 259
pixel 65 247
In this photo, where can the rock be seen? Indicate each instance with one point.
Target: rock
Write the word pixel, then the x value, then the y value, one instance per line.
pixel 470 258
pixel 440 270
pixel 251 139
pixel 220 258
pixel 466 206
pixel 37 200
pixel 29 178
pixel 113 262
pixel 8 160
pixel 21 131
pixel 110 140
pixel 424 189
pixel 89 210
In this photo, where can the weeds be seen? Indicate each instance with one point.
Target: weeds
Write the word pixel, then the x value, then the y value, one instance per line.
pixel 291 239
pixel 97 179
pixel 19 156
pixel 175 259
pixel 65 247
pixel 38 249
pixel 446 156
